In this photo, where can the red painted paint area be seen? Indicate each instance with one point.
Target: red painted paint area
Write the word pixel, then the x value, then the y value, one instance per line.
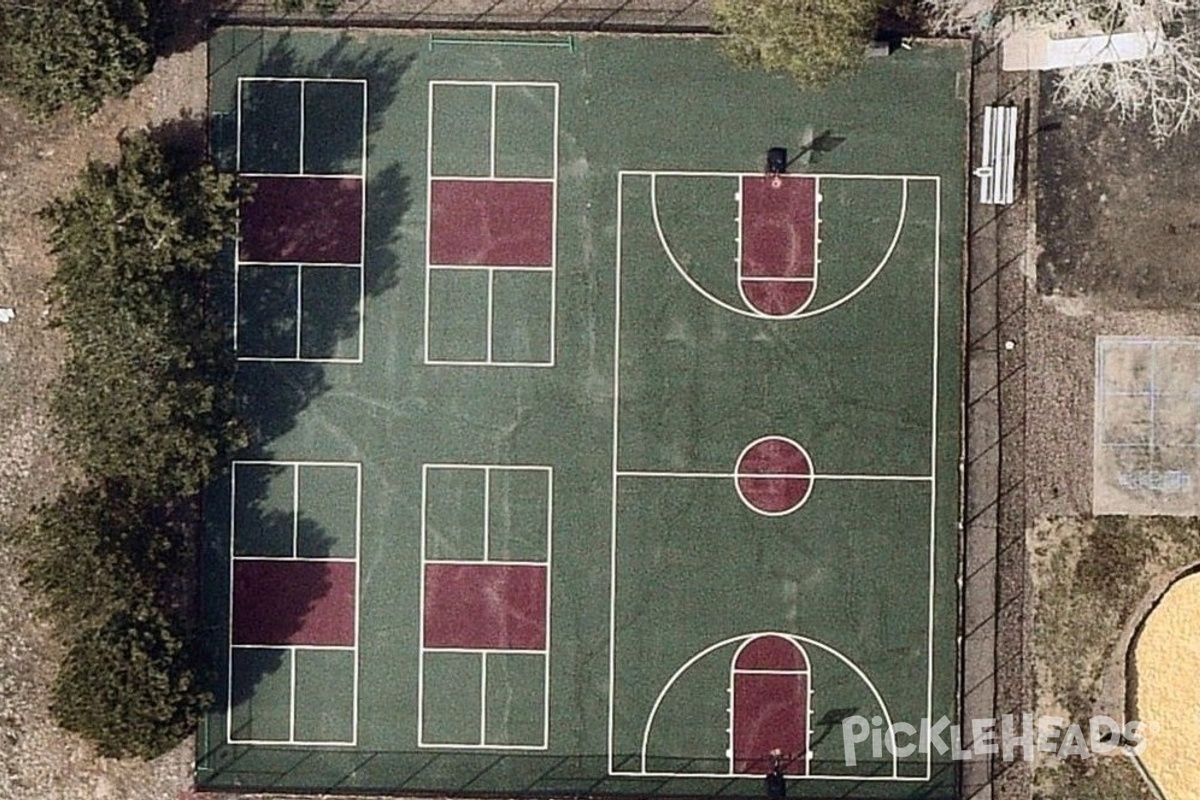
pixel 294 602
pixel 492 223
pixel 770 712
pixel 302 220
pixel 779 241
pixel 771 653
pixel 778 298
pixel 774 475
pixel 486 606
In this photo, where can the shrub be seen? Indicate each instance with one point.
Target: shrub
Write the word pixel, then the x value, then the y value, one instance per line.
pixel 92 551
pixel 75 53
pixel 146 394
pixel 131 685
pixel 814 41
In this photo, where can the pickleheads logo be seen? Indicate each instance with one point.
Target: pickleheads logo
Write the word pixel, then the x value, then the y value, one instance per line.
pixel 1005 737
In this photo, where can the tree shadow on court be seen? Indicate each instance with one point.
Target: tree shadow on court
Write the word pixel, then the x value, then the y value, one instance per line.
pixel 330 310
pixel 270 607
pixel 269 305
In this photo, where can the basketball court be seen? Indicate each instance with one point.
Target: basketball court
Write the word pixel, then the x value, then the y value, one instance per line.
pixel 594 460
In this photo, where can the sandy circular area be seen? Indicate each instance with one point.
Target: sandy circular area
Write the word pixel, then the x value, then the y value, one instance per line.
pixel 1167 656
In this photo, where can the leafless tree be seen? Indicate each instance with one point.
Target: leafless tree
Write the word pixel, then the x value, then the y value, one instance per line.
pixel 1163 89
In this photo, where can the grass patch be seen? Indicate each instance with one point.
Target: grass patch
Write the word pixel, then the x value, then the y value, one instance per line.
pixel 1091 578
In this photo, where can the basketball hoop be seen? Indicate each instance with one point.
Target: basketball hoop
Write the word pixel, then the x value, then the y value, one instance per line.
pixel 777 163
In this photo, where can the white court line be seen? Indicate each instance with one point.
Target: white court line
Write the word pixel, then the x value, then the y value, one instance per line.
pixel 295 742
pixel 294 79
pixel 804 312
pixel 512 651
pixel 808 722
pixel 933 460
pixel 309 176
pixel 454 746
pixel 612 544
pixel 294 648
pixel 549 600
pixel 483 696
pixel 362 257
pixel 489 360
pixel 554 235
pixel 742 278
pixel 546 565
pixel 795 638
pixel 293 263
pixel 680 173
pixel 490 268
pixel 237 308
pixel 734 672
pixel 492 135
pixel 421 602
pixel 487 512
pixel 491 179
pixel 332 648
pixel 493 467
pixel 470 562
pixel 237 161
pixel 439 362
pixel 491 313
pixel 299 310
pixel 266 462
pixel 816 229
pixel 292 690
pixel 428 256
pixel 632 473
pixel 294 360
pixel 229 607
pixel 303 83
pixel 320 559
pixel 358 489
pixel 517 84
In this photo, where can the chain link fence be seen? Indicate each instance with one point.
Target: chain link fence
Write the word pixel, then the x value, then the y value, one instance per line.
pixel 645 16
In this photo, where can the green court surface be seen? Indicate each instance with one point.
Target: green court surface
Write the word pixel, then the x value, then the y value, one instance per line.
pixel 592 460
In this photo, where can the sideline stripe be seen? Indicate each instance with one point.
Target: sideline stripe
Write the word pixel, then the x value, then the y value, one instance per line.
pixel 624 473
pixel 933 461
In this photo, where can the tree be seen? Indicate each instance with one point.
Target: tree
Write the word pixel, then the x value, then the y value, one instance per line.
pixel 92 551
pixel 145 406
pixel 131 685
pixel 74 53
pixel 146 395
pixel 814 41
pixel 1163 89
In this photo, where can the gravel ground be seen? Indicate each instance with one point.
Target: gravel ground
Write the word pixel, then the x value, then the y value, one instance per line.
pixel 37 163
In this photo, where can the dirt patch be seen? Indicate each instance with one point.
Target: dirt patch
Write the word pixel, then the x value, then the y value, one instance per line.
pixel 1117 215
pixel 1118 254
